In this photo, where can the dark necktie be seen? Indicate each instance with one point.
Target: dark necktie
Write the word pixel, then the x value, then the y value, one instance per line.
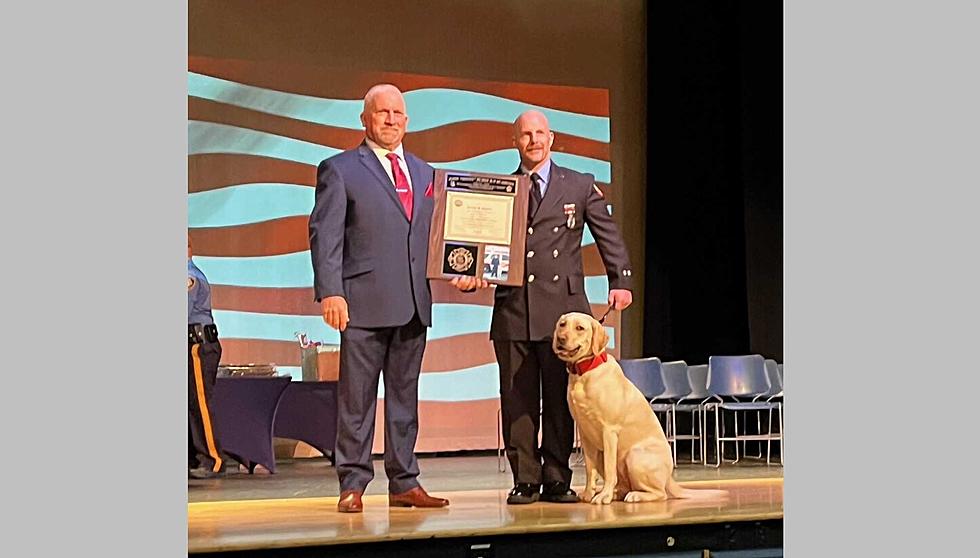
pixel 401 184
pixel 535 193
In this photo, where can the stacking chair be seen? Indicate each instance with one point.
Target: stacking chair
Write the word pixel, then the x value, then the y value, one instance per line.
pixel 646 375
pixel 736 384
pixel 688 388
pixel 775 393
pixel 678 387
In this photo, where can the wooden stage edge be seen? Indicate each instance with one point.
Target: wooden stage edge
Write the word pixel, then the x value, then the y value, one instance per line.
pixel 242 525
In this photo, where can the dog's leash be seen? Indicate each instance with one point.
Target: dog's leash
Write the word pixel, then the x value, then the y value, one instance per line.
pixel 608 310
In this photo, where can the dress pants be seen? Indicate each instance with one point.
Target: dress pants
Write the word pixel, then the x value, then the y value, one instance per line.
pixel 366 353
pixel 533 380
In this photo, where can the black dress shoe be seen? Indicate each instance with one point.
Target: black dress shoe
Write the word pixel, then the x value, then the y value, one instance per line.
pixel 558 492
pixel 524 493
pixel 203 473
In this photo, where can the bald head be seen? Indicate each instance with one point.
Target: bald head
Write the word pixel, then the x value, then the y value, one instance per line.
pixel 533 139
pixel 384 116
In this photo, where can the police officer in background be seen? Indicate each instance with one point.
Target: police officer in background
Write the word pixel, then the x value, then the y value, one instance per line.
pixel 203 355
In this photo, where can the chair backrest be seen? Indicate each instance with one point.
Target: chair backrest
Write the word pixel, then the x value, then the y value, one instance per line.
pixel 675 380
pixel 780 367
pixel 775 382
pixel 645 373
pixel 737 376
pixel 697 376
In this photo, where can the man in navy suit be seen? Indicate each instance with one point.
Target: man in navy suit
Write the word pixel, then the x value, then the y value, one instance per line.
pixel 369 234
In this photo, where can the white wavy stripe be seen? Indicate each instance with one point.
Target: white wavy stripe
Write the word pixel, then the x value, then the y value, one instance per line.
pixel 469 384
pixel 242 204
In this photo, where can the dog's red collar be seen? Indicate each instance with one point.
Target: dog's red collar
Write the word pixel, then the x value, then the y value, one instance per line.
pixel 584 366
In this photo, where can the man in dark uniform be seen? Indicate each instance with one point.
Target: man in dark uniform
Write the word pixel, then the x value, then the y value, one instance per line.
pixel 532 378
pixel 203 355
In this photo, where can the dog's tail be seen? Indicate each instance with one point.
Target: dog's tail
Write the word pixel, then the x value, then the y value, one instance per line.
pixel 675 490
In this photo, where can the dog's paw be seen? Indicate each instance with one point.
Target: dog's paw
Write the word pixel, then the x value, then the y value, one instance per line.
pixel 604 497
pixel 587 495
pixel 633 497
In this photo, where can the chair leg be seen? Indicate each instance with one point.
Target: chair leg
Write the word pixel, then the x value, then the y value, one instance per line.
pixel 717 438
pixel 737 456
pixel 782 448
pixel 673 434
pixel 500 443
pixel 768 438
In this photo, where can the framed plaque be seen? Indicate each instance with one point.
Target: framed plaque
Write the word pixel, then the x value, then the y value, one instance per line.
pixel 479 226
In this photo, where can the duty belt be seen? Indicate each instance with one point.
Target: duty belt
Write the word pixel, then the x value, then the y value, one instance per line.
pixel 199 333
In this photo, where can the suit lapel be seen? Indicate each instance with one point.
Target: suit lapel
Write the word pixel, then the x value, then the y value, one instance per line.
pixel 554 194
pixel 370 160
pixel 419 184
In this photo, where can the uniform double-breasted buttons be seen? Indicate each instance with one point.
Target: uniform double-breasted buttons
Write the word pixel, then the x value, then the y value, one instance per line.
pixel 530 254
pixel 530 278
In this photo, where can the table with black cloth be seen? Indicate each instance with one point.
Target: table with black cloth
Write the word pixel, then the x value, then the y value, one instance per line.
pixel 250 411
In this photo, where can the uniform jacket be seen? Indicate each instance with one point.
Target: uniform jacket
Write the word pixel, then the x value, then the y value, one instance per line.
pixel 362 244
pixel 554 280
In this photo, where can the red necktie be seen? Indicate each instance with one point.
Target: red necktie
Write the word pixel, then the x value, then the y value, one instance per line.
pixel 401 184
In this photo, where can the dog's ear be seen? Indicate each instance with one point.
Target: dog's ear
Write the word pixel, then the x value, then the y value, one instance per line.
pixel 599 337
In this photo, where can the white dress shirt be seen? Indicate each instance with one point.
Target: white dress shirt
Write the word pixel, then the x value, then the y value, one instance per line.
pixel 382 155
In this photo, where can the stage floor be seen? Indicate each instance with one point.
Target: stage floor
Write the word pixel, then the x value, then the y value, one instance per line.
pixel 297 506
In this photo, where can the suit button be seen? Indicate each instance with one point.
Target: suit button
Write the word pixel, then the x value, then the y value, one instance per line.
pixel 555 278
pixel 530 278
pixel 554 229
pixel 554 254
pixel 530 254
pixel 530 230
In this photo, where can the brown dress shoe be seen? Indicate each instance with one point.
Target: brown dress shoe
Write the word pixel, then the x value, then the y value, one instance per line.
pixel 416 497
pixel 350 502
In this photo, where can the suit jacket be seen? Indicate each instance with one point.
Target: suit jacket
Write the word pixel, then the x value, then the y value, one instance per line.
pixel 554 280
pixel 362 244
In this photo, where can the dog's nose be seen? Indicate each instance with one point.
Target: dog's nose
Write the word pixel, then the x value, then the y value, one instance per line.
pixel 561 339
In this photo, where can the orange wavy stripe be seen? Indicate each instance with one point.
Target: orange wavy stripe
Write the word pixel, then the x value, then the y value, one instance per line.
pixel 217 170
pixel 266 238
pixel 344 83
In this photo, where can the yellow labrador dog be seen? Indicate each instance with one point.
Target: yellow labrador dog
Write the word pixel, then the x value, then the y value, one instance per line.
pixel 621 437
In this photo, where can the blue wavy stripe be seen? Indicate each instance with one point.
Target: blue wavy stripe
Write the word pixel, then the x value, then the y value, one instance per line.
pixel 209 137
pixel 252 203
pixel 597 289
pixel 587 237
pixel 427 108
pixel 295 270
pixel 296 372
pixel 248 203
pixel 448 320
pixel 468 384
